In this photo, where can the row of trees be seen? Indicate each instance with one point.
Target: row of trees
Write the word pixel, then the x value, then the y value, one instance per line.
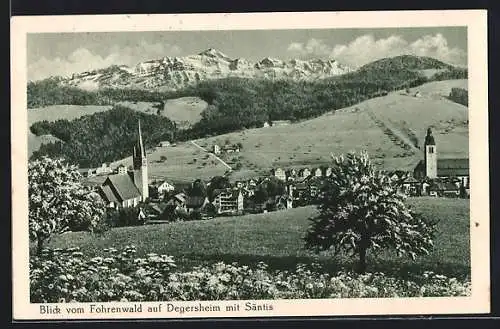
pixel 460 96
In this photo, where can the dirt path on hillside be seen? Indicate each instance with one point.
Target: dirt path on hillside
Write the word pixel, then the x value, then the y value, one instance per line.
pixel 215 156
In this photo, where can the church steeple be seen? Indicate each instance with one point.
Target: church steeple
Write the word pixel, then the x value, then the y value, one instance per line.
pixel 139 147
pixel 140 163
pixel 430 155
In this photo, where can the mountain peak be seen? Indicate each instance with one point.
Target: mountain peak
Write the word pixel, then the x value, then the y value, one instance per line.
pixel 212 52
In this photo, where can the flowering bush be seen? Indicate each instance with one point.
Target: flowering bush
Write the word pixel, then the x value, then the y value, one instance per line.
pixel 67 275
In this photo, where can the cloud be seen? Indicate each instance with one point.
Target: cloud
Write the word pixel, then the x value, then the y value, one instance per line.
pixel 83 59
pixel 366 48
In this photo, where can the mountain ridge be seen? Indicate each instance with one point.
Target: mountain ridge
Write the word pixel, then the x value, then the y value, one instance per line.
pixel 176 73
pixel 173 73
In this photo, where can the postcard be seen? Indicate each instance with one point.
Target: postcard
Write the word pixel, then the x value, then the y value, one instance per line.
pixel 250 165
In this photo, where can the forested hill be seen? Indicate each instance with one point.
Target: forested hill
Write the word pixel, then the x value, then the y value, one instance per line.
pixel 102 137
pixel 405 62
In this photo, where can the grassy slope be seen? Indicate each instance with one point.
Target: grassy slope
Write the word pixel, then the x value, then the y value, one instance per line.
pixel 441 88
pixel 179 166
pixel 276 238
pixel 185 110
pixel 311 142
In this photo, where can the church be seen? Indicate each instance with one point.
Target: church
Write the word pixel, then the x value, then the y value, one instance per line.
pixel 128 188
pixel 432 167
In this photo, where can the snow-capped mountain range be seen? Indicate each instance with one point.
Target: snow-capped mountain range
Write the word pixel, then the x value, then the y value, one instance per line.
pixel 171 73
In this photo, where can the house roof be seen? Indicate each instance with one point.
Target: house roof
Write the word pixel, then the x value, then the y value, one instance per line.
pixel 453 167
pixel 160 182
pixel 410 180
pixel 123 186
pixel 107 193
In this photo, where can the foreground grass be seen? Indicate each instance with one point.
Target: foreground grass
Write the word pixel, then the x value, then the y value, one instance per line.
pixel 276 239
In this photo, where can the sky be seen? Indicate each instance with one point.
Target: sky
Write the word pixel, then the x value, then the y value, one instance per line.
pixel 52 54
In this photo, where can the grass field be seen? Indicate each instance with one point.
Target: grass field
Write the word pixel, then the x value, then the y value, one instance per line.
pixel 145 107
pixel 184 163
pixel 185 111
pixel 441 88
pixel 276 238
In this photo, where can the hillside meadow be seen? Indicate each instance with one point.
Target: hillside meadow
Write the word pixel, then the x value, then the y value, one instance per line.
pixel 276 239
pixel 184 111
pixel 182 163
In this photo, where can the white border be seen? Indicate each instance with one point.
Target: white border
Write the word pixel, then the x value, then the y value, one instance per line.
pixel 475 20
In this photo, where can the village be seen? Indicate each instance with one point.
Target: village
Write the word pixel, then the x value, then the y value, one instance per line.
pixel 161 201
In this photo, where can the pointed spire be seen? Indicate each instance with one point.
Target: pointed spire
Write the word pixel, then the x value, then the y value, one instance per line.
pixel 140 145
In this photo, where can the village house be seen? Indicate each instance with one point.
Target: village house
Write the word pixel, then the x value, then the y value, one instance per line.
pixel 251 183
pixel 158 189
pixel 279 173
pixel 314 184
pixel 411 186
pixel 122 169
pixel 248 192
pixel 129 188
pixel 291 174
pixel 298 190
pixel 445 189
pixel 432 167
pixel 318 172
pixel 103 169
pixel 327 171
pixel 86 172
pixel 284 202
pixel 164 144
pixel 277 123
pixel 153 210
pixel 216 149
pixel 231 148
pixel 304 173
pixel 228 201
pixel 266 124
pixel 177 201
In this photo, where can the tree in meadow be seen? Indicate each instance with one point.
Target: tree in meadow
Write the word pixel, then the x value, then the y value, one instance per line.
pixel 58 201
pixel 361 210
